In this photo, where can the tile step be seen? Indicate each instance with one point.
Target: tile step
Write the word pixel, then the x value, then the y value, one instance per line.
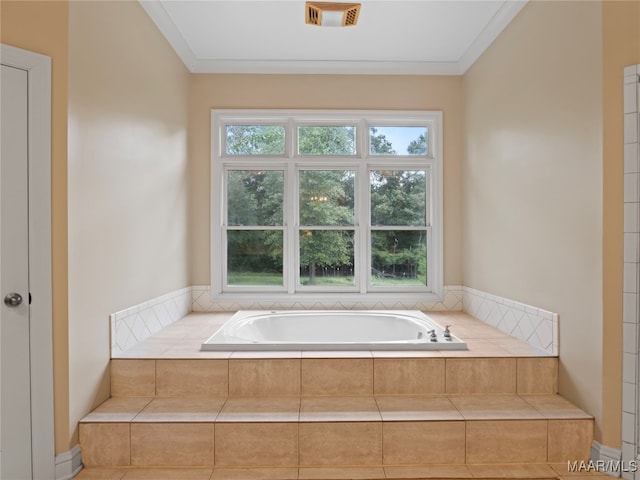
pixel 273 377
pixel 376 431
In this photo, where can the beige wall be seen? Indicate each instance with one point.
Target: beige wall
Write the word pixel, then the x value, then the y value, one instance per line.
pixel 532 180
pixel 621 47
pixel 42 27
pixel 128 180
pixel 325 92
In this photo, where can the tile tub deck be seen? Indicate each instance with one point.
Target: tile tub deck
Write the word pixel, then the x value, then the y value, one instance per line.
pixel 489 412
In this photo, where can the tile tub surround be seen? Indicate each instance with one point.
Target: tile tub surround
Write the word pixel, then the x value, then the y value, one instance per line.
pixel 537 327
pixel 183 338
pixel 132 325
pixel 331 415
pixel 631 280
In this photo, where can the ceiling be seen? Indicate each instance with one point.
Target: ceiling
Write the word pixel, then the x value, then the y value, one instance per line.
pixel 433 37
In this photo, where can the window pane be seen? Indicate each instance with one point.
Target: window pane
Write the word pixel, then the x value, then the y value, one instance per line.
pixel 326 257
pixel 399 258
pixel 398 197
pixel 398 140
pixel 326 197
pixel 255 197
pixel 255 140
pixel 254 257
pixel 327 140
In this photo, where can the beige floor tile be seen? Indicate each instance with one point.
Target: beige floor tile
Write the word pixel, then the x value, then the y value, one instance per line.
pixel 555 407
pixel 181 409
pixel 202 377
pixel 101 473
pixel 587 476
pixel 575 472
pixel 406 408
pixel 341 473
pixel 409 443
pixel 105 444
pixel 408 376
pixel 494 407
pixel 538 375
pixel 510 471
pixel 169 474
pixel 260 409
pixel 339 409
pixel 334 444
pixel 264 378
pixel 480 375
pixel 570 440
pixel 118 409
pixel 560 468
pixel 431 471
pixel 506 441
pixel 285 473
pixel 133 378
pixel 172 444
pixel 256 444
pixel 344 376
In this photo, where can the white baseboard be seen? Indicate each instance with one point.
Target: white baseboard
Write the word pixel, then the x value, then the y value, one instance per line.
pixel 68 463
pixel 607 460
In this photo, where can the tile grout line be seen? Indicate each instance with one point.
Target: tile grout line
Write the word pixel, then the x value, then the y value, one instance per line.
pixel 548 432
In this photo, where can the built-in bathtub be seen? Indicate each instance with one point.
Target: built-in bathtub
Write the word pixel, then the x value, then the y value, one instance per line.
pixel 332 330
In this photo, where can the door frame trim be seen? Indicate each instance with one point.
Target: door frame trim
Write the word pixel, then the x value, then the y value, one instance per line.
pixel 38 68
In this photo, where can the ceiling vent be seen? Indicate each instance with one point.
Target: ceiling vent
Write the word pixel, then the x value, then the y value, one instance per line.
pixel 326 14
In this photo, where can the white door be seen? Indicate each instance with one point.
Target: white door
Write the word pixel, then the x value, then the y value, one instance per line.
pixel 15 381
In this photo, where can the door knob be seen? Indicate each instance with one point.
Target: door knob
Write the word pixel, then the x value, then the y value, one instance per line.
pixel 13 299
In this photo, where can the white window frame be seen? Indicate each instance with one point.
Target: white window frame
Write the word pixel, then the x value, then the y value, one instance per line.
pixel 362 163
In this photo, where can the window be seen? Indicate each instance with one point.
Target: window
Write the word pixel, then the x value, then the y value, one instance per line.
pixel 326 203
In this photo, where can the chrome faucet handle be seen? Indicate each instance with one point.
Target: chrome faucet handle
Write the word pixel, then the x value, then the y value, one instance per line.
pixel 447 333
pixel 433 336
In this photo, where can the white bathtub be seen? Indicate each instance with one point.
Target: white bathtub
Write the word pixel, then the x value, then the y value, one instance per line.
pixel 331 330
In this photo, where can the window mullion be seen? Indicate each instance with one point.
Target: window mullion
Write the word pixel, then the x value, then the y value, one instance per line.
pixel 291 242
pixel 363 205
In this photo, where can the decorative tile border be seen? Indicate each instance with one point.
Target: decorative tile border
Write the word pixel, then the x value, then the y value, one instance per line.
pixel 537 327
pixel 202 302
pixel 631 282
pixel 132 325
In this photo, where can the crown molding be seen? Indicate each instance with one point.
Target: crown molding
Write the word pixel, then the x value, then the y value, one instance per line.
pixel 170 31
